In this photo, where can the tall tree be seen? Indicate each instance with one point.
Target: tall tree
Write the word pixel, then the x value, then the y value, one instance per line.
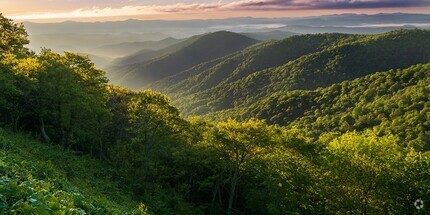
pixel 152 119
pixel 93 112
pixel 238 144
pixel 366 170
pixel 13 39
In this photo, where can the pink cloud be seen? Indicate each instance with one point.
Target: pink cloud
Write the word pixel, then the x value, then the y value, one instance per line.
pixel 240 5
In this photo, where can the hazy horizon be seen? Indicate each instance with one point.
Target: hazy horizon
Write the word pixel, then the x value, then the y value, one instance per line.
pixel 42 21
pixel 46 11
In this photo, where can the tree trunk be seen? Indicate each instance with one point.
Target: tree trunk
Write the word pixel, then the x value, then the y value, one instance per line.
pixel 44 134
pixel 63 139
pixel 16 120
pixel 233 184
pixel 215 192
pixel 101 144
pixel 364 199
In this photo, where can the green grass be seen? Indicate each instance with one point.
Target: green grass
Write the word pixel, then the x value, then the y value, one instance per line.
pixel 37 178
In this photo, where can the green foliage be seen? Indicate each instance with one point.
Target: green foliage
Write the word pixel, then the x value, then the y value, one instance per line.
pixel 393 102
pixel 146 140
pixel 240 142
pixel 376 174
pixel 299 63
pixel 39 179
pixel 23 195
pixel 288 181
pixel 13 37
pixel 238 148
pixel 239 65
pixel 12 41
pixel 64 97
pixel 151 127
pixel 8 89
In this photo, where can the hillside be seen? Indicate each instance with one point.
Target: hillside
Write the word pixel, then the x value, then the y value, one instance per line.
pixel 192 27
pixel 352 58
pixel 269 35
pixel 148 54
pixel 128 48
pixel 396 101
pixel 204 48
pixel 119 67
pixel 360 29
pixel 99 60
pixel 234 67
pixel 36 178
pixel 81 42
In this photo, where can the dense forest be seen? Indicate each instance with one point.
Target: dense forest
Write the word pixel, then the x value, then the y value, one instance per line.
pixel 311 124
pixel 303 62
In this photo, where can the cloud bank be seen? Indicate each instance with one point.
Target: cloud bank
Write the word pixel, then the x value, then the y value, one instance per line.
pixel 322 4
pixel 241 5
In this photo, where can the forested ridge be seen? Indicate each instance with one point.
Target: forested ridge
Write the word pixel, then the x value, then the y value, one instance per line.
pixel 71 143
pixel 239 65
pixel 396 101
pixel 193 51
pixel 303 62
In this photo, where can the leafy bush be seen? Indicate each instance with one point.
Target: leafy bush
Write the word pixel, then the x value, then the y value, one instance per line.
pixel 40 179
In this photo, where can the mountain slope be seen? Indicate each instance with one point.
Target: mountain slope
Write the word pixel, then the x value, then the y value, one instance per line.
pixel 80 42
pixel 269 35
pixel 343 61
pixel 37 178
pixel 204 48
pixel 396 101
pixel 119 67
pixel 127 48
pixel 234 67
pixel 99 60
pixel 148 54
pixel 304 29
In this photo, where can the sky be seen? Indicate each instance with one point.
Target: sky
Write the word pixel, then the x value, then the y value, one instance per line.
pixel 109 10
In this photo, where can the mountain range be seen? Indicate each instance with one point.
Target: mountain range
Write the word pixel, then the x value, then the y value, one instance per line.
pixel 192 52
pixel 187 28
pixel 111 40
pixel 249 74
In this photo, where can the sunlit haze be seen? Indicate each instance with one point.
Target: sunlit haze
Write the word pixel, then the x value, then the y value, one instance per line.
pixel 108 10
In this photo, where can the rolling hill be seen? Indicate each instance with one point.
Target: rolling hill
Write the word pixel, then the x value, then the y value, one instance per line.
pixel 148 54
pixel 269 35
pixel 393 102
pixel 204 48
pixel 352 57
pixel 234 67
pixel 119 67
pixel 81 42
pixel 128 48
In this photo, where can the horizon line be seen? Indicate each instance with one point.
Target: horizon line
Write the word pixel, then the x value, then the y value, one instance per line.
pixel 59 21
